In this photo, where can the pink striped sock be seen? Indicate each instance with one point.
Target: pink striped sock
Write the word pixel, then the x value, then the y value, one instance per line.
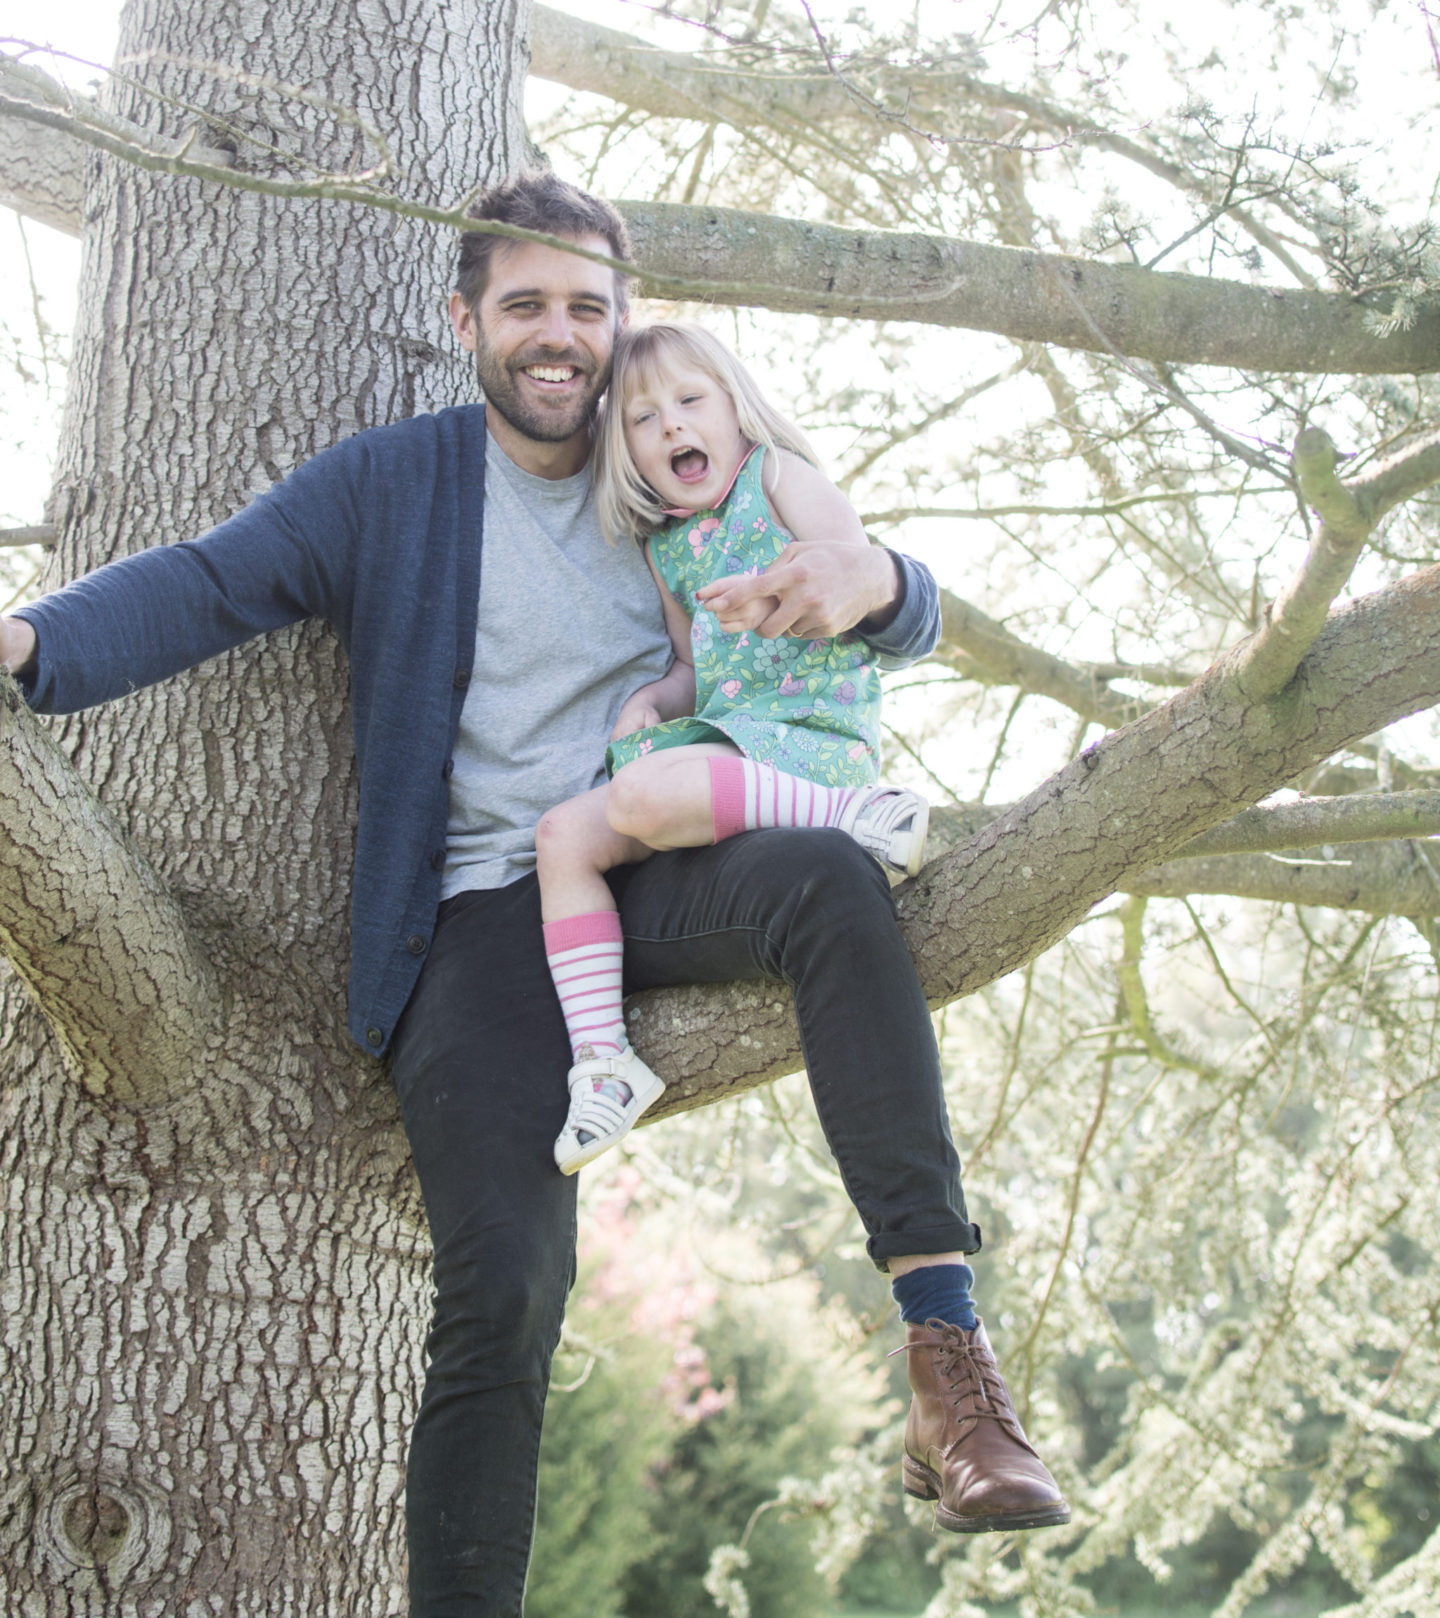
pixel 747 797
pixel 586 959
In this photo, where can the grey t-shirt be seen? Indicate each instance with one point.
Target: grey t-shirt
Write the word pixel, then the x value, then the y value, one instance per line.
pixel 569 626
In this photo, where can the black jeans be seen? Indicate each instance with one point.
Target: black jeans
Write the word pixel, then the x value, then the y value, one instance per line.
pixel 480 1061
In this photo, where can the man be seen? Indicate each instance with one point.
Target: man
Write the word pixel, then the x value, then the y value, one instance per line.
pixel 477 706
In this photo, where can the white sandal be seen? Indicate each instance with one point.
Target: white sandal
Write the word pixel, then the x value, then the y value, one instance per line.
pixel 890 823
pixel 602 1117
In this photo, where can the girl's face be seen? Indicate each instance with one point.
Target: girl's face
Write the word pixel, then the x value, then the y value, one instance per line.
pixel 682 431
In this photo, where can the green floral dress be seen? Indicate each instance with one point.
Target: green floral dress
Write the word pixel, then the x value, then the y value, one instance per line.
pixel 809 707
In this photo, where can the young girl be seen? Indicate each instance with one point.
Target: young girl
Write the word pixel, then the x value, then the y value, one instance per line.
pixel 742 732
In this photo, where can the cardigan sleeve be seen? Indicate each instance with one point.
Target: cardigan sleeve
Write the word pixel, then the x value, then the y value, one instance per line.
pixel 286 556
pixel 915 629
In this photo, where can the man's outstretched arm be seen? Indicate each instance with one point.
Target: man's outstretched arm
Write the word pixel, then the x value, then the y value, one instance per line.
pixel 147 616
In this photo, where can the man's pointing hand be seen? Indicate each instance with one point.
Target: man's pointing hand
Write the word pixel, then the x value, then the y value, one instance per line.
pixel 813 591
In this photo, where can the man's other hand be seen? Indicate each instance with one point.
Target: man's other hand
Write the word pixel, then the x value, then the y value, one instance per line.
pixel 812 591
pixel 17 644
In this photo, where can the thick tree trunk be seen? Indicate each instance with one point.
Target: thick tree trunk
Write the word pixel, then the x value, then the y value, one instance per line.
pixel 213 1306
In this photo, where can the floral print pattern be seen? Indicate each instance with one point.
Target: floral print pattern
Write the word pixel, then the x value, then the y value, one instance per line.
pixel 810 707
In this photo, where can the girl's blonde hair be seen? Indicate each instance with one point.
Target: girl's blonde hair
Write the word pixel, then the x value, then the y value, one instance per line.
pixel 626 504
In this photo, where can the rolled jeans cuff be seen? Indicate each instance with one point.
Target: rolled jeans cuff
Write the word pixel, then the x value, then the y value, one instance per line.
pixel 959 1237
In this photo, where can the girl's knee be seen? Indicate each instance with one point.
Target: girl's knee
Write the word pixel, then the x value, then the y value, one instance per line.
pixel 632 805
pixel 566 831
pixel 551 836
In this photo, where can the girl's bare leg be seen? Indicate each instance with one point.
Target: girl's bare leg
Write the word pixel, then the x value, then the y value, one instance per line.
pixel 683 798
pixel 575 845
pixel 662 801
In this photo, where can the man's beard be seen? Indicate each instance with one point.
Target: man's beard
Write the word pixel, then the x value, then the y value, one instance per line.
pixel 546 425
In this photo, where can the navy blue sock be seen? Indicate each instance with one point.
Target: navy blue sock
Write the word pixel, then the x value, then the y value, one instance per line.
pixel 936 1292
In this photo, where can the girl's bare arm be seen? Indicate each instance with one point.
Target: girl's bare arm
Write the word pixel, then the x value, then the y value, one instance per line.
pixel 808 503
pixel 673 695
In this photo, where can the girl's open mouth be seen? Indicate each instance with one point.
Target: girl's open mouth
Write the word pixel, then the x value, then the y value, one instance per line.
pixel 689 465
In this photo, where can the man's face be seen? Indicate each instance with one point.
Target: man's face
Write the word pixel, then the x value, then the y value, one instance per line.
pixel 542 336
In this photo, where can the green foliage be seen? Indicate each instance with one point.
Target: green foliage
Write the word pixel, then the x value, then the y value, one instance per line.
pixel 696 1410
pixel 784 1414
pixel 601 1439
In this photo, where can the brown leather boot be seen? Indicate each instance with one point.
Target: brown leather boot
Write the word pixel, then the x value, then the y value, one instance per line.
pixel 964 1445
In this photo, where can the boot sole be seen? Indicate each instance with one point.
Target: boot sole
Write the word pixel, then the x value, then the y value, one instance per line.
pixel 922 1484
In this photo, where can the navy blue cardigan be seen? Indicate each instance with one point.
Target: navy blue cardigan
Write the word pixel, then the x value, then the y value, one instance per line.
pixel 380 536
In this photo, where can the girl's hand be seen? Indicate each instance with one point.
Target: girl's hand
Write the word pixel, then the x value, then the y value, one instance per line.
pixel 743 614
pixel 636 714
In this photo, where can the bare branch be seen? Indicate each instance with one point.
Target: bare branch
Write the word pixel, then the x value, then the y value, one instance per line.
pixel 1349 513
pixel 1363 817
pixel 1367 817
pixel 1074 303
pixel 1107 508
pixel 92 930
pixel 975 636
pixel 1380 879
pixel 36 534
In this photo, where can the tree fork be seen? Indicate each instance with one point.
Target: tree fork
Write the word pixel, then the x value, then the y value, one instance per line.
pixel 91 929
pixel 1349 513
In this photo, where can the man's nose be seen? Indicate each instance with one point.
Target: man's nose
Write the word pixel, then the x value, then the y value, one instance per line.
pixel 556 330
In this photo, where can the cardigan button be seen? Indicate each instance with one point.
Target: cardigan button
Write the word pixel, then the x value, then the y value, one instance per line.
pixel 437 860
pixel 373 1036
pixel 462 679
pixel 415 944
pixel 447 769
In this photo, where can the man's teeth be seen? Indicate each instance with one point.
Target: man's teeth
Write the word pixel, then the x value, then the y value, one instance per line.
pixel 550 373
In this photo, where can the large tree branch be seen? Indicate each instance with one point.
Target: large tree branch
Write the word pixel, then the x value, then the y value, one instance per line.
pixel 91 929
pixel 1272 828
pixel 731 257
pixel 42 174
pixel 1349 514
pixel 1042 297
pixel 1131 802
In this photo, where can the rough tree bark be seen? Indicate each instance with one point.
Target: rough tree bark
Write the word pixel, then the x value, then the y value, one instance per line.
pixel 213 1278
pixel 213 1287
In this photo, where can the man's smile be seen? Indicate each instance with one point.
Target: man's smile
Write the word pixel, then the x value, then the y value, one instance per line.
pixel 551 374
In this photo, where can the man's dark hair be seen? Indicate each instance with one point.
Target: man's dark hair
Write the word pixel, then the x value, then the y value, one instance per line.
pixel 538 199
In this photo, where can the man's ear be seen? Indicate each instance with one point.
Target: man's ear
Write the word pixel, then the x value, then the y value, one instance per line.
pixel 462 319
